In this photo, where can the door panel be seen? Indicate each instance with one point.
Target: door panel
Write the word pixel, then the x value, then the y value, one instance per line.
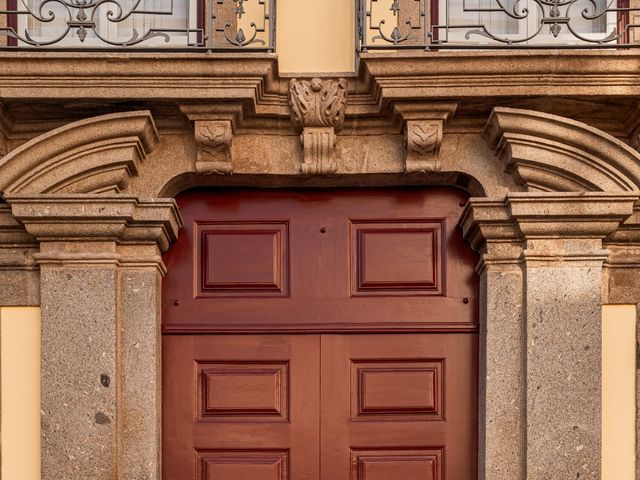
pixel 320 261
pixel 241 407
pixel 398 406
pixel 320 335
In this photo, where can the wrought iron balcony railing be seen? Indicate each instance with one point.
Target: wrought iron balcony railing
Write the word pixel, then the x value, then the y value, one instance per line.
pixel 468 24
pixel 213 25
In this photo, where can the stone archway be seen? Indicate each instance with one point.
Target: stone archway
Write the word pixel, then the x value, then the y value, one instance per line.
pixel 100 234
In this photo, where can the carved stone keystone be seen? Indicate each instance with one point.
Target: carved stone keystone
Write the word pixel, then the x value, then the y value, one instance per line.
pixel 317 109
pixel 213 139
pixel 423 133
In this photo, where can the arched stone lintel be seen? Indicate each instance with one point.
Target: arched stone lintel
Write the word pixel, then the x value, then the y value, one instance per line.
pixel 556 154
pixel 99 155
pixel 94 155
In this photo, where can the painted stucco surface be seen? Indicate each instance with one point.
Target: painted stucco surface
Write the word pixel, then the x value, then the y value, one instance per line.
pixel 20 360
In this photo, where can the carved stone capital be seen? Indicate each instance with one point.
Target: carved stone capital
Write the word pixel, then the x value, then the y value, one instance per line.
pixel 549 226
pixel 213 139
pixel 87 221
pixel 317 108
pixel 422 142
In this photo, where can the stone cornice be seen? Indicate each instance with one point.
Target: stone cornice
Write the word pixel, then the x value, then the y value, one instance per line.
pixel 541 217
pixel 100 218
pixel 491 73
pixel 253 79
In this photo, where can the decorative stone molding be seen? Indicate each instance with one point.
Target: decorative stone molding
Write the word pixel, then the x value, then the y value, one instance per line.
pixel 100 218
pixel 546 217
pixel 422 142
pixel 423 133
pixel 96 155
pixel 18 269
pixel 552 153
pixel 99 259
pixel 214 125
pixel 213 139
pixel 318 108
pixel 502 229
pixel 541 270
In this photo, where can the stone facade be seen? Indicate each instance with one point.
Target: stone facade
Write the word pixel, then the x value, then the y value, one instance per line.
pixel 87 187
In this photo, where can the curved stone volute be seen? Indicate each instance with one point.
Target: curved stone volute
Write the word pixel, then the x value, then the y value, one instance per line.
pixel 556 154
pixel 94 155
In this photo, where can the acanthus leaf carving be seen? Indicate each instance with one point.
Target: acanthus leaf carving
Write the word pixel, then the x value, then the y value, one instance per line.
pixel 318 109
pixel 213 139
pixel 422 142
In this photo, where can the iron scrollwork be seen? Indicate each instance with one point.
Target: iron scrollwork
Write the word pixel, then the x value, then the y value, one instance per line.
pixel 206 24
pixel 441 24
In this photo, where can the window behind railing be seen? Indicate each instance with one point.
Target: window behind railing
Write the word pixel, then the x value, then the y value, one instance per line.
pixel 180 24
pixel 442 24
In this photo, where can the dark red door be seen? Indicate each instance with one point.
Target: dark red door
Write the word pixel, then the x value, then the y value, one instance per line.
pixel 320 335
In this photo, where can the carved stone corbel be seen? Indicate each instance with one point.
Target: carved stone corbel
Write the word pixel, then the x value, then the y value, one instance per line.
pixel 423 133
pixel 213 139
pixel 317 109
pixel 422 141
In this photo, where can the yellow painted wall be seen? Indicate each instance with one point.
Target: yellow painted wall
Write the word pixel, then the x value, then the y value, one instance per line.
pixel 316 36
pixel 618 392
pixel 20 395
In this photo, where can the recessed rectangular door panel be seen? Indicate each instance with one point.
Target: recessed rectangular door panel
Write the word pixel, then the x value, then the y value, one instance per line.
pixel 241 407
pixel 399 406
pixel 320 260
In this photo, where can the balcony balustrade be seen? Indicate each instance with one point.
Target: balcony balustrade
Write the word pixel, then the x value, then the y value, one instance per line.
pixel 485 24
pixel 213 25
pixel 249 25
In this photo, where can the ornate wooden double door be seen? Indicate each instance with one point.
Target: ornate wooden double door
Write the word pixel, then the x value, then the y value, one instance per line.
pixel 320 335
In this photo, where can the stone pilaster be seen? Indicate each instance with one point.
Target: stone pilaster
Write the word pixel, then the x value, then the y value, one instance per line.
pixel 502 402
pixel 100 273
pixel 19 275
pixel 558 343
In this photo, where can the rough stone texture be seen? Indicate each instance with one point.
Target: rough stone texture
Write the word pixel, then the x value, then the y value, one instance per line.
pixel 563 318
pixel 599 87
pixel 317 109
pixel 552 153
pixel 140 372
pixel 214 146
pixel 555 374
pixel 19 276
pixel 100 270
pixel 502 397
pixel 97 155
pixel 79 326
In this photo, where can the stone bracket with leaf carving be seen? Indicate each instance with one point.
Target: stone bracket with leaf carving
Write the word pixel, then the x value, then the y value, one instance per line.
pixel 423 133
pixel 213 126
pixel 317 109
pixel 213 140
